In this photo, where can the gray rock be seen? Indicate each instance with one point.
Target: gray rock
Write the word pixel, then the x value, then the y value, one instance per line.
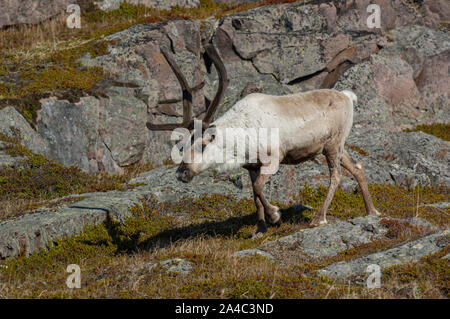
pixel 30 11
pixel 407 252
pixel 394 13
pixel 277 39
pixel 108 5
pixel 73 132
pixel 38 230
pixel 165 187
pixel 12 122
pixel 409 158
pixel 95 134
pixel 176 265
pixel 250 252
pixel 404 83
pixel 439 205
pixel 328 240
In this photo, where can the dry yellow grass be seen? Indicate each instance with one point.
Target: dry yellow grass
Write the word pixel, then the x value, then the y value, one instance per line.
pixel 37 40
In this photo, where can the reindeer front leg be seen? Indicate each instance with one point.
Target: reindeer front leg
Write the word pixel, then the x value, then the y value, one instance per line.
pixel 333 160
pixel 261 224
pixel 262 204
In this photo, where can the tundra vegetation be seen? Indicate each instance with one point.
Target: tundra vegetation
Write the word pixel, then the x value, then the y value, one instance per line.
pixel 115 258
pixel 39 61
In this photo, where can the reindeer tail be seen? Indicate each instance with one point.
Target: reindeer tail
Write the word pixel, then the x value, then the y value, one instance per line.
pixel 352 96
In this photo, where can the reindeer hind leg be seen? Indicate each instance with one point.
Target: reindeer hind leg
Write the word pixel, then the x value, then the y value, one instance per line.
pixel 357 171
pixel 271 211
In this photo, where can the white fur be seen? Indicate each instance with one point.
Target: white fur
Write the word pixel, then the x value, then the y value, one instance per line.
pixel 352 96
pixel 309 124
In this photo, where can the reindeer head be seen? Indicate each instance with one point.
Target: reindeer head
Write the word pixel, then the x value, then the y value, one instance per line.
pixel 201 151
pixel 200 142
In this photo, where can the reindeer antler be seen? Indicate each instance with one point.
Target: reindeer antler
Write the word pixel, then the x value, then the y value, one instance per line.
pixel 223 83
pixel 187 91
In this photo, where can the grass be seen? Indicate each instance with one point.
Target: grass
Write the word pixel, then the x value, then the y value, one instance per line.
pixel 59 74
pixel 390 200
pixel 114 257
pixel 42 180
pixel 440 130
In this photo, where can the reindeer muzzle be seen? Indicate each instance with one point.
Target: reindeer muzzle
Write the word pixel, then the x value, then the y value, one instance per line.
pixel 183 175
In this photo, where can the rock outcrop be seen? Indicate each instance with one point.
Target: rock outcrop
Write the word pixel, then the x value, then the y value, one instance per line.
pixel 407 252
pixel 13 12
pixel 398 72
pixel 311 245
pixel 12 123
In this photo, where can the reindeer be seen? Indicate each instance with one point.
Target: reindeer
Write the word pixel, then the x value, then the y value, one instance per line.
pixel 309 124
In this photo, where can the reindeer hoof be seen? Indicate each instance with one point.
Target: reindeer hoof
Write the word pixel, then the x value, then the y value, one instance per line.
pixel 374 212
pixel 275 218
pixel 317 222
pixel 261 228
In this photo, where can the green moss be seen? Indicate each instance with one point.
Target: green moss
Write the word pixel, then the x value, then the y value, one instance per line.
pixel 6 89
pixel 57 78
pixel 60 74
pixel 441 130
pixel 357 149
pixel 390 200
pixel 125 11
pixel 145 224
